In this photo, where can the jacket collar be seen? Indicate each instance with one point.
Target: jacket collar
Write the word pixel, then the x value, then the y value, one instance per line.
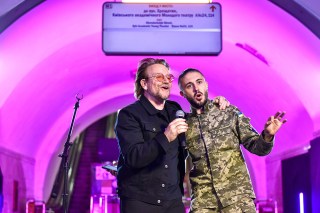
pixel 152 110
pixel 147 105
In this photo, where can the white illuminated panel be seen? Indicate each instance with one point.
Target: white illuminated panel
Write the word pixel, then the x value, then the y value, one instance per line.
pixel 301 202
pixel 159 28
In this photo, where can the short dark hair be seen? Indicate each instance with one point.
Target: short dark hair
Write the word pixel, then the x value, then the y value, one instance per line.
pixel 185 72
pixel 141 73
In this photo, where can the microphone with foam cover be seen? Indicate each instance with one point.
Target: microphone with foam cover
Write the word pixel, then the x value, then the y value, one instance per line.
pixel 179 114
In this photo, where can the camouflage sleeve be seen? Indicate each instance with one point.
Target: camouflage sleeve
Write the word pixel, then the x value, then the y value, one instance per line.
pixel 249 137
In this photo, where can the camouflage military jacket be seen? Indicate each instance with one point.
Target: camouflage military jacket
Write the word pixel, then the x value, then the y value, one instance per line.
pixel 213 142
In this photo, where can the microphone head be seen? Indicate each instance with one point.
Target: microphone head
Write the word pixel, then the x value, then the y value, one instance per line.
pixel 180 114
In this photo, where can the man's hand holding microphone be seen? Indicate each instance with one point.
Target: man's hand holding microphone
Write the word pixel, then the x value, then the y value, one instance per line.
pixel 176 127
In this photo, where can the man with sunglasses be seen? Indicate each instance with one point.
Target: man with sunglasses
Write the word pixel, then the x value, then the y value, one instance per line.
pixel 151 163
pixel 219 178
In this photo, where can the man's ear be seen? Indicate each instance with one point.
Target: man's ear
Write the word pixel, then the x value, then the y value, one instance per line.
pixel 143 84
pixel 182 94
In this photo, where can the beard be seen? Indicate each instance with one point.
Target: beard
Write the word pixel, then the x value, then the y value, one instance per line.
pixel 198 104
pixel 159 95
pixel 164 95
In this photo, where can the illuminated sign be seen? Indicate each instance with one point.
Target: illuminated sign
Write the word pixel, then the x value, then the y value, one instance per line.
pixel 162 29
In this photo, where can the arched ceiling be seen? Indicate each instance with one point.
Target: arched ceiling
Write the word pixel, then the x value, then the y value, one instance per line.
pixel 54 52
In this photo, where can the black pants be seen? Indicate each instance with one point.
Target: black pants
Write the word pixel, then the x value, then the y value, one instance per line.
pixel 129 205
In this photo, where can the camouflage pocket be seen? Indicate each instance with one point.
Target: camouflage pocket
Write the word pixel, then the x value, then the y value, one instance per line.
pixel 222 138
pixel 222 130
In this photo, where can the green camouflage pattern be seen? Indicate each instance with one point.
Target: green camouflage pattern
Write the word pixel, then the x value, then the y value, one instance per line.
pixel 246 205
pixel 223 173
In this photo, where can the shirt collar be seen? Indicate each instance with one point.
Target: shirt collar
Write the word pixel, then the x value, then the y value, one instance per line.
pixel 208 105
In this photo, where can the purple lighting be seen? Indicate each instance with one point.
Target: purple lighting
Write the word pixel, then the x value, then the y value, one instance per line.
pixel 253 51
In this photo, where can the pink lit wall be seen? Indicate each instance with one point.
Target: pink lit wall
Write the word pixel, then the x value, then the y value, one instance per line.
pixel 54 51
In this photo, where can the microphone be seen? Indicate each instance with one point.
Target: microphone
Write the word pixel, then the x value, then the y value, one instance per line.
pixel 179 114
pixel 182 136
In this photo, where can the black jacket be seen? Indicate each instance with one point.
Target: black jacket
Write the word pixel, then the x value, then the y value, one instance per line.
pixel 150 168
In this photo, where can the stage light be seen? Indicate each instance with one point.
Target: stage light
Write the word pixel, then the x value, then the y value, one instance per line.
pixel 301 202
